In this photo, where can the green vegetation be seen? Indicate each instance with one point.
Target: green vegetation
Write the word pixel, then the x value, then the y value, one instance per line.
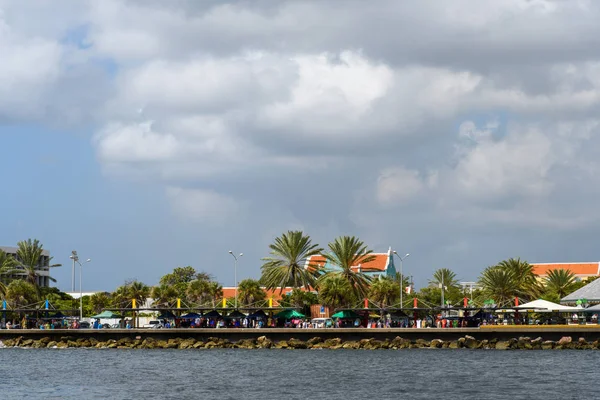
pixel 285 266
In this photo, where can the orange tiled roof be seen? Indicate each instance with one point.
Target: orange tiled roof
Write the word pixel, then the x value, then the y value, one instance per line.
pixel 580 269
pixel 378 264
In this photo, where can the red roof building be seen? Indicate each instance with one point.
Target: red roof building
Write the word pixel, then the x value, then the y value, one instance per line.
pixel 582 270
pixel 383 264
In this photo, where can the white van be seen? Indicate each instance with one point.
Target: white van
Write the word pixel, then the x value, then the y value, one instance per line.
pixel 322 322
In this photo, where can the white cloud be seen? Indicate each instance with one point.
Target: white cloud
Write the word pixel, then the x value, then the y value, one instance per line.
pixel 203 205
pixel 398 185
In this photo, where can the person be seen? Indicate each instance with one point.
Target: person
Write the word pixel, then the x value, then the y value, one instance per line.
pixel 8 325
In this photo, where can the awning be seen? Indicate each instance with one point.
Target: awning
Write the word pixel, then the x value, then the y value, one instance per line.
pixel 289 314
pixel 106 314
pixel 345 314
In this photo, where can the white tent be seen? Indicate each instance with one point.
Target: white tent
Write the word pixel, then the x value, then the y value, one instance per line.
pixel 546 306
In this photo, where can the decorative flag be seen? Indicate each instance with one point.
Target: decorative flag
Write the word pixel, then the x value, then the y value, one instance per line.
pixel 133 303
pixel 178 303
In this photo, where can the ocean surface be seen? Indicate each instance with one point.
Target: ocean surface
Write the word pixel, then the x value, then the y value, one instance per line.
pixel 298 374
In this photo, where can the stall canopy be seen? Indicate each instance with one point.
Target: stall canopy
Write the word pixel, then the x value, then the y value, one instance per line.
pixel 289 314
pixel 212 314
pixel 236 315
pixel 595 308
pixel 345 314
pixel 258 314
pixel 106 314
pixel 191 315
pixel 546 306
pixel 166 315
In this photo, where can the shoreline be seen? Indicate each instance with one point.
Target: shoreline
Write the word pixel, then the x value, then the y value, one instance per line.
pixel 489 337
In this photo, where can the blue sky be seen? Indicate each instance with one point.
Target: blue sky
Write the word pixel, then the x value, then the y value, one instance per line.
pixel 147 136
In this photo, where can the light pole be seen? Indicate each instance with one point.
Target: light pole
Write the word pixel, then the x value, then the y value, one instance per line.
pixel 80 287
pixel 235 274
pixel 401 277
pixel 75 259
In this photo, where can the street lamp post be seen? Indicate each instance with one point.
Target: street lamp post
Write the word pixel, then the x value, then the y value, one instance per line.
pixel 235 275
pixel 401 277
pixel 81 287
pixel 75 259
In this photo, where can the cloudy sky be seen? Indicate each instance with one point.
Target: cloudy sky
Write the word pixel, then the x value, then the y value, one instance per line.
pixel 150 134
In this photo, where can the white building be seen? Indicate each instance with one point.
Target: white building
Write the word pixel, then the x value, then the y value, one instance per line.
pixel 43 269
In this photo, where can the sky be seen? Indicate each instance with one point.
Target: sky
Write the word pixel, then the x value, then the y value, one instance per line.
pixel 148 135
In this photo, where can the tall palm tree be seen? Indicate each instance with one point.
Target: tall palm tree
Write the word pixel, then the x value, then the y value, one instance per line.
pixel 498 284
pixel 335 291
pixel 524 279
pixel 285 267
pixel 250 292
pixel 445 276
pixel 29 257
pixel 384 291
pixel 347 252
pixel 560 282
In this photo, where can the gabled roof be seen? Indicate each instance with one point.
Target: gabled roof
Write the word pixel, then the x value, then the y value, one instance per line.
pixel 590 292
pixel 378 264
pixel 579 269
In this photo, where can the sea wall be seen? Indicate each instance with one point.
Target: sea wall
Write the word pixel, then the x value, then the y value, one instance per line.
pixel 497 337
pixel 263 342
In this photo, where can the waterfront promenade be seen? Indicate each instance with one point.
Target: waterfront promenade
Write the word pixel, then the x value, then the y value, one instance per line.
pixel 490 332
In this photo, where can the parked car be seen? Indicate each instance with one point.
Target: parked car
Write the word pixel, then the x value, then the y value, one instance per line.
pixel 153 324
pixel 84 325
pixel 322 322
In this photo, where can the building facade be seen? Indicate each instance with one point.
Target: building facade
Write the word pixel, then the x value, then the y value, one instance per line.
pixel 581 270
pixel 43 268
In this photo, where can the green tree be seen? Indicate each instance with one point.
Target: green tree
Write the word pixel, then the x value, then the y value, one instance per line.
pixel 164 295
pixel 384 292
pixel 215 292
pixel 181 277
pixel 21 294
pixel 525 281
pixel 347 252
pixel 497 283
pixel 198 291
pixel 99 301
pixel 29 255
pixel 445 276
pixel 250 293
pixel 560 282
pixel 336 292
pixel 301 299
pixel 8 267
pixel 285 267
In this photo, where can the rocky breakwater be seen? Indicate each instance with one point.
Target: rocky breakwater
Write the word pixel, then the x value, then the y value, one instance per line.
pixel 263 342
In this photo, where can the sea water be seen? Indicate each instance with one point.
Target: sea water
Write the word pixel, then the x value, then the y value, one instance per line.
pixel 298 374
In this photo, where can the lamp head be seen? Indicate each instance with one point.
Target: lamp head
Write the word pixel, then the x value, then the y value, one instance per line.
pixel 230 252
pixel 88 260
pixel 241 254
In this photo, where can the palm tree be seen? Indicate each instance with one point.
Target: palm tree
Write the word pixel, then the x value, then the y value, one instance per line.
pixel 7 267
pixel 138 291
pixel 384 291
pixel 250 292
pixel 347 252
pixel 445 276
pixel 215 292
pixel 560 282
pixel 285 267
pixel 100 301
pixel 524 279
pixel 29 257
pixel 335 291
pixel 498 284
pixel 164 295
pixel 197 291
